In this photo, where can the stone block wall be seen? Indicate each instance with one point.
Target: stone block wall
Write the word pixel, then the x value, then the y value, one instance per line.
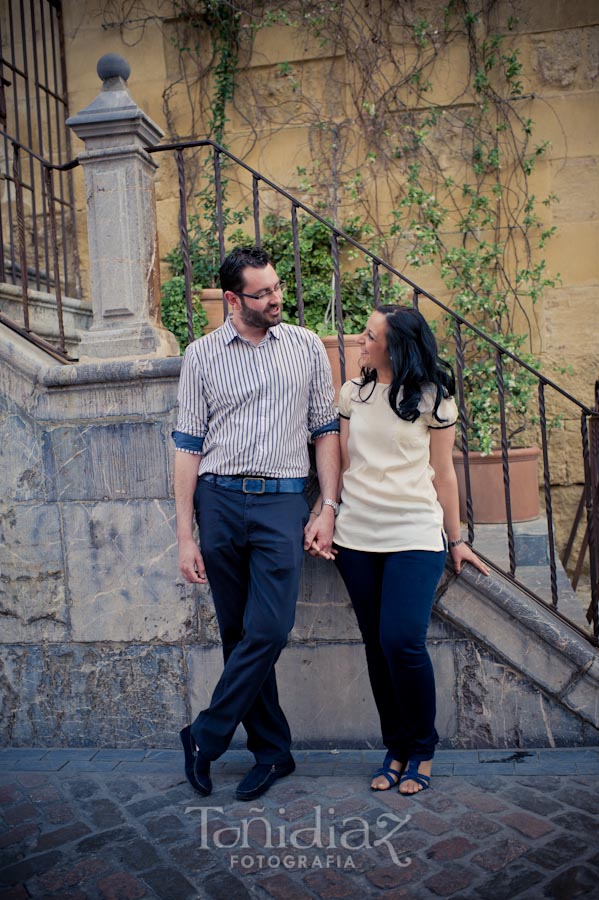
pixel 103 644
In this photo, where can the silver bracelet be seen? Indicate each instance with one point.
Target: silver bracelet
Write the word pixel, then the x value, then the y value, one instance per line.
pixel 455 543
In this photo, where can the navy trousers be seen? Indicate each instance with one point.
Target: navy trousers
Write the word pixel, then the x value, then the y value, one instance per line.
pixel 392 595
pixel 252 547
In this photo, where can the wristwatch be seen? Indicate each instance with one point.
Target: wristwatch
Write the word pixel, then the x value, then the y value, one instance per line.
pixel 328 502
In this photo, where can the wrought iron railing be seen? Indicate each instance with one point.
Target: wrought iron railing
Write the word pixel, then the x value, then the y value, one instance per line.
pixel 33 113
pixel 589 417
pixel 257 184
pixel 50 263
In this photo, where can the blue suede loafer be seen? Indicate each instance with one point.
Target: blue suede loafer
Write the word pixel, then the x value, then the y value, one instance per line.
pixel 197 767
pixel 259 779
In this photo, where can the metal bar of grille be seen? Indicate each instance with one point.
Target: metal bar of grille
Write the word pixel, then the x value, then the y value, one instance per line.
pixel 505 461
pixel 376 283
pixel 338 309
pixel 21 232
pixel 75 279
pixel 15 89
pixel 13 68
pixel 56 46
pixel 184 240
pixel 11 229
pixel 4 168
pixel 256 207
pixel 40 130
pixel 219 217
pixel 36 259
pixel 547 490
pixel 52 216
pixel 299 292
pixel 459 358
pixel 593 611
pixel 47 97
pixel 219 204
pixel 590 501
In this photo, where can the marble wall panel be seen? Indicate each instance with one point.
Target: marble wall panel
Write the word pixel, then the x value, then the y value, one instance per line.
pixel 326 696
pixel 21 465
pixel 32 584
pixel 77 695
pixel 497 707
pixel 323 689
pixel 124 582
pixel 117 461
pixel 324 622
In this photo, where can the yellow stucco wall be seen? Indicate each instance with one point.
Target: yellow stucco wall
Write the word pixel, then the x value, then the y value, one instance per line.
pixel 560 51
pixel 270 129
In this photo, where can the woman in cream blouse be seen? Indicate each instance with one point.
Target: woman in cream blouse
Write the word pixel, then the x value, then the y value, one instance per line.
pixel 398 515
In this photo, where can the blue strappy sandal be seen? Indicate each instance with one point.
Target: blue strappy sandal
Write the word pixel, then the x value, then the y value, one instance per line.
pixel 393 776
pixel 411 773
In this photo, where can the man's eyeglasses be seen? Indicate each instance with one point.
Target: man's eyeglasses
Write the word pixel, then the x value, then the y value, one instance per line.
pixel 279 288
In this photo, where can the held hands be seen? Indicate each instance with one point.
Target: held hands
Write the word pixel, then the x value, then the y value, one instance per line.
pixel 191 563
pixel 463 553
pixel 318 534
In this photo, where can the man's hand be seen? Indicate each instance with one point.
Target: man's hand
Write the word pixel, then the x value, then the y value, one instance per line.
pixel 318 534
pixel 191 563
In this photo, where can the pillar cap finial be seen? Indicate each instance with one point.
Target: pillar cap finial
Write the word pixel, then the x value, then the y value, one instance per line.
pixel 112 65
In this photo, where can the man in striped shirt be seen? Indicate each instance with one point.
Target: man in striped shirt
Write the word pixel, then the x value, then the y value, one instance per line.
pixel 251 394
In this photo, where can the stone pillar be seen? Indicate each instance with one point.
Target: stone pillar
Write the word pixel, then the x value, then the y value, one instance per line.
pixel 121 221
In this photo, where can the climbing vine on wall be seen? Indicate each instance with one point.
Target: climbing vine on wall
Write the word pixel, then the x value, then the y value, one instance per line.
pixel 417 121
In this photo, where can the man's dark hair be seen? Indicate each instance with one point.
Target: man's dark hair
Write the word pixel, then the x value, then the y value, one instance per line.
pixel 230 273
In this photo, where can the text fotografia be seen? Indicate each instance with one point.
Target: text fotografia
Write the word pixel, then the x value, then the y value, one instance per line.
pixel 330 843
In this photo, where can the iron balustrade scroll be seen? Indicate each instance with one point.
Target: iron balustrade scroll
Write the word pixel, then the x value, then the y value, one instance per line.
pixel 589 417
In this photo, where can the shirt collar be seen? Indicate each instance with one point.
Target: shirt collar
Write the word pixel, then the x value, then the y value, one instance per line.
pixel 230 332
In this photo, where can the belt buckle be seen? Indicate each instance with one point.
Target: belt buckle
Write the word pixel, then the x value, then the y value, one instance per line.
pixel 247 490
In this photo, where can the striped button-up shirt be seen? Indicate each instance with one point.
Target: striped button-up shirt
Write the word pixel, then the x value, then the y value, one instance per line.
pixel 250 410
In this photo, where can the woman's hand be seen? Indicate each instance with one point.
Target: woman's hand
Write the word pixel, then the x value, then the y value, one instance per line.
pixel 463 553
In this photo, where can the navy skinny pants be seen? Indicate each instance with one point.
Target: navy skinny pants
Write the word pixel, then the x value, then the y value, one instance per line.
pixel 252 547
pixel 392 595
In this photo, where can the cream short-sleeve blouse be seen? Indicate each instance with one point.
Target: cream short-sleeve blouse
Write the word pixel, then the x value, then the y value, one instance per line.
pixel 388 501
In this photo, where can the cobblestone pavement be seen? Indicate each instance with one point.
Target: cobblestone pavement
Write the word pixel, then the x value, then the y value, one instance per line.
pixel 124 824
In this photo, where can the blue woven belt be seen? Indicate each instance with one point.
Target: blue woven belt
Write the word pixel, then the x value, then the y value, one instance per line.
pixel 252 484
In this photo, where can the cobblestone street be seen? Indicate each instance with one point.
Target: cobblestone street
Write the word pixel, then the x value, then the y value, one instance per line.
pixel 124 824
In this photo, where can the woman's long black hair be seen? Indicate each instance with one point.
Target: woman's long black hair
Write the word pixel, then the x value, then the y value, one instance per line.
pixel 415 363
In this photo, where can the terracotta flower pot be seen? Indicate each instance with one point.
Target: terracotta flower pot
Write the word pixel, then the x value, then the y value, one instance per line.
pixel 212 301
pixel 486 485
pixel 352 355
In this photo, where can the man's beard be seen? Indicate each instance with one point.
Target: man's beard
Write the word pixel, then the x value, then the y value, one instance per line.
pixel 257 319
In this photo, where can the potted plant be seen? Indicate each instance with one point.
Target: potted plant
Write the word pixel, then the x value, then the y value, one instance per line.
pixel 204 256
pixel 485 459
pixel 174 310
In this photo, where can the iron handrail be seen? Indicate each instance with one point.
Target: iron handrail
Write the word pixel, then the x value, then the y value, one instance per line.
pixel 589 416
pixel 183 145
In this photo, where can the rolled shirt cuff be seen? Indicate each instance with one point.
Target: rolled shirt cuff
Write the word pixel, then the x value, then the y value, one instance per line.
pixel 187 442
pixel 329 428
